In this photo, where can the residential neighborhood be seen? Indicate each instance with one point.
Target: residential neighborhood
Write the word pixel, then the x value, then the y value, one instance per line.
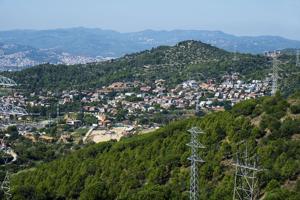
pixel 125 108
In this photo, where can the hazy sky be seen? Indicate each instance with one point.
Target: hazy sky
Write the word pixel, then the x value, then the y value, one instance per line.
pixel 240 17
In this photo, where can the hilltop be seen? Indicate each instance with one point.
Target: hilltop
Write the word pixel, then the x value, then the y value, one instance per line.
pixel 184 61
pixel 155 165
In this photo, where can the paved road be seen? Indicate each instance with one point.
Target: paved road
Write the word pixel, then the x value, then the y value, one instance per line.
pixel 88 133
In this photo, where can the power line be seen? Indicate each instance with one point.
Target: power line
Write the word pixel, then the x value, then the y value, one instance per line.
pixel 194 158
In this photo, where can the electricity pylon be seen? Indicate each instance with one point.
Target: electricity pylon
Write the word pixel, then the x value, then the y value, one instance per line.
pixel 197 105
pixel 235 58
pixel 5 184
pixel 297 58
pixel 57 110
pixel 245 180
pixel 194 158
pixel 4 81
pixel 275 76
pixel 8 109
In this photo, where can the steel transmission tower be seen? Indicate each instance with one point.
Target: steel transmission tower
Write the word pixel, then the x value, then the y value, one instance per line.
pixel 275 76
pixel 197 105
pixel 5 185
pixel 57 110
pixel 297 58
pixel 8 109
pixel 7 82
pixel 235 58
pixel 194 158
pixel 245 181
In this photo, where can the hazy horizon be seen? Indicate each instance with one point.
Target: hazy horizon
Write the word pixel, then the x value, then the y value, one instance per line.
pixel 238 35
pixel 255 18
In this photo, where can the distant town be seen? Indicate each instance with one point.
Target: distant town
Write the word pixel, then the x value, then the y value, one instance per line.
pixel 12 57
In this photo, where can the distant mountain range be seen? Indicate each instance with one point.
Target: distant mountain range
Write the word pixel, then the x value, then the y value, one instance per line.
pixel 44 45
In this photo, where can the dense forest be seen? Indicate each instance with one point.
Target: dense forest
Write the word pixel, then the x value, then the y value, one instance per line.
pixel 184 61
pixel 155 165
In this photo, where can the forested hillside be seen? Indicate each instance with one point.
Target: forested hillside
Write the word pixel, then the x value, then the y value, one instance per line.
pixel 184 61
pixel 155 165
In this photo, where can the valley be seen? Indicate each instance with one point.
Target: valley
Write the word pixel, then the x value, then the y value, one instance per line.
pixel 149 100
pixel 74 108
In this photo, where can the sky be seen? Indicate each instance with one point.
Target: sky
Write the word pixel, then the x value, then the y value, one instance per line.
pixel 239 17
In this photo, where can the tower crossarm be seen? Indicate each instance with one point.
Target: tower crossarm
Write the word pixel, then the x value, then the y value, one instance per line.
pixel 195 130
pixel 195 145
pixel 247 167
pixel 196 159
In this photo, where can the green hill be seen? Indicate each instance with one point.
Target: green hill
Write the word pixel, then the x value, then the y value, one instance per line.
pixel 186 60
pixel 155 165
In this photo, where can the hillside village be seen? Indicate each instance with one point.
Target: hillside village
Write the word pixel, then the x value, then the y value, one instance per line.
pixel 125 108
